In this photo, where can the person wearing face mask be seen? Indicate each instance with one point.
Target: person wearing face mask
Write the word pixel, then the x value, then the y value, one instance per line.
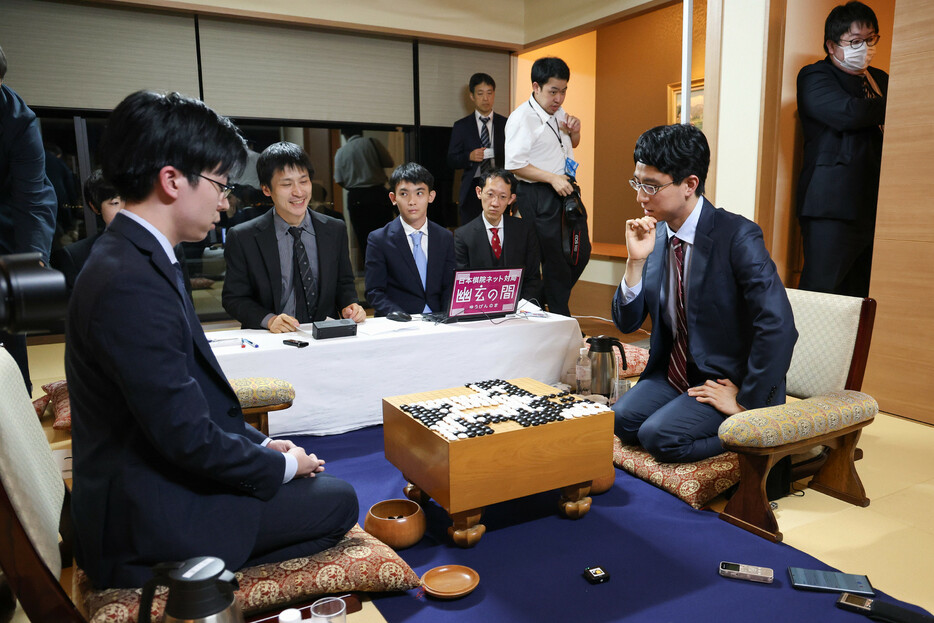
pixel 841 103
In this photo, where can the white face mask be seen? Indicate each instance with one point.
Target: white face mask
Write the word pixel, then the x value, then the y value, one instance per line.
pixel 856 60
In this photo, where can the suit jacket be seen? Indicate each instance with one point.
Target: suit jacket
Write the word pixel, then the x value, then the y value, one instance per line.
pixel 842 143
pixel 71 258
pixel 253 284
pixel 465 137
pixel 740 323
pixel 28 205
pixel 392 281
pixel 164 466
pixel 520 248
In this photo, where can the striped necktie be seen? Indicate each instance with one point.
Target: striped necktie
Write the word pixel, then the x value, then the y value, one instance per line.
pixel 678 363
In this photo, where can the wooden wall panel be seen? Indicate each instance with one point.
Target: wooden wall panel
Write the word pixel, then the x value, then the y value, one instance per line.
pixel 901 361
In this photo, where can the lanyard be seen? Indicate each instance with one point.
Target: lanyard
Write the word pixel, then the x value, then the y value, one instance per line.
pixel 550 127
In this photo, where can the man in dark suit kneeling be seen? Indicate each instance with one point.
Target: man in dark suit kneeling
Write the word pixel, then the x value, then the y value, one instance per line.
pixel 164 466
pixel 495 240
pixel 290 265
pixel 722 327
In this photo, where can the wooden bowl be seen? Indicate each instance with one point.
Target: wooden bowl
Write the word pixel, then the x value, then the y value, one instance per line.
pixel 397 523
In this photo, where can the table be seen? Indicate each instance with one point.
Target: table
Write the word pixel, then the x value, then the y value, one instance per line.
pixel 340 382
pixel 465 475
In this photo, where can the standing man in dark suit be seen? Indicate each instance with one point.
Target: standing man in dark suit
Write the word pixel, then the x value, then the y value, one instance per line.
pixel 722 327
pixel 477 143
pixel 841 102
pixel 164 466
pixel 495 240
pixel 410 261
pixel 27 200
pixel 291 265
pixel 105 202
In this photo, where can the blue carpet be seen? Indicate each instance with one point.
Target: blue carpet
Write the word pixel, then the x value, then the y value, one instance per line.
pixel 661 554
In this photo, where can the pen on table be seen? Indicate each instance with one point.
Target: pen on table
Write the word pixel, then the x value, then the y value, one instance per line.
pixel 224 339
pixel 244 342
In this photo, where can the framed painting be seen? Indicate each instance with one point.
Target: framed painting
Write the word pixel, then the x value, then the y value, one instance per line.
pixel 697 103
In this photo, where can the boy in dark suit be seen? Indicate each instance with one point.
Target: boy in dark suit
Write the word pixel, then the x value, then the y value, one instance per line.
pixel 722 327
pixel 477 143
pixel 105 202
pixel 410 261
pixel 494 239
pixel 290 265
pixel 165 467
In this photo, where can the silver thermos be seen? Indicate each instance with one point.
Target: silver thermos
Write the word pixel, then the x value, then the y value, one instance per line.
pixel 604 372
pixel 201 590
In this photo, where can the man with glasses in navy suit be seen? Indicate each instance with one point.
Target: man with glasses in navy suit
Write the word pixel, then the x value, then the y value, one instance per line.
pixel 722 327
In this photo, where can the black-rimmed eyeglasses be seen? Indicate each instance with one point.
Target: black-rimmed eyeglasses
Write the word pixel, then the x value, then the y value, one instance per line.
pixel 856 44
pixel 225 189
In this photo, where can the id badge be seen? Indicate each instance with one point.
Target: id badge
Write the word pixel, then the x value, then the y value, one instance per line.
pixel 570 167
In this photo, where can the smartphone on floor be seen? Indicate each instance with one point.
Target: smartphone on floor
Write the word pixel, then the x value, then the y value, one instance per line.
pixel 830 581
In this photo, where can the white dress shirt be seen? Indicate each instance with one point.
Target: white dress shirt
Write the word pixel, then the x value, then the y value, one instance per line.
pixel 535 137
pixel 409 230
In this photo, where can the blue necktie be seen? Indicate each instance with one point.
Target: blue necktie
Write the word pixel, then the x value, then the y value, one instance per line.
pixel 421 262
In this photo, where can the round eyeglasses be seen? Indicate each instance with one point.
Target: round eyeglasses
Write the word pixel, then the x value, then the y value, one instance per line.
pixel 648 189
pixel 856 44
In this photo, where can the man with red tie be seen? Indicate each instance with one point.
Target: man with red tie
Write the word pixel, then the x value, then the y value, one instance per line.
pixel 722 327
pixel 495 240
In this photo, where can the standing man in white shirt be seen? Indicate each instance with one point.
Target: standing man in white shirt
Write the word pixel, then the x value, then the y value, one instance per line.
pixel 540 142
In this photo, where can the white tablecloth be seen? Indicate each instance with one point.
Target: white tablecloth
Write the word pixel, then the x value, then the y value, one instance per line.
pixel 340 382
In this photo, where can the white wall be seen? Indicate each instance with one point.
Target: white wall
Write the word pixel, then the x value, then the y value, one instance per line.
pixel 741 73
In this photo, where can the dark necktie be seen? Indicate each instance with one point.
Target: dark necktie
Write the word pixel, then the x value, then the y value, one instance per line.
pixel 484 132
pixel 303 279
pixel 677 363
pixel 497 245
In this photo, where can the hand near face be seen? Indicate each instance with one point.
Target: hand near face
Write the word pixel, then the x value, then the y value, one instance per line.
pixel 283 323
pixel 571 125
pixel 720 394
pixel 354 312
pixel 640 237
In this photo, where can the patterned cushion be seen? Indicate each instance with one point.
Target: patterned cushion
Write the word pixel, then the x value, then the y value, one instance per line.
pixel 41 404
pixel 360 562
pixel 262 391
pixel 695 483
pixel 636 358
pixel 795 421
pixel 826 325
pixel 61 405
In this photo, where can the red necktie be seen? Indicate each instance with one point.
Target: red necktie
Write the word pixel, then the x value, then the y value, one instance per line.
pixel 677 363
pixel 497 247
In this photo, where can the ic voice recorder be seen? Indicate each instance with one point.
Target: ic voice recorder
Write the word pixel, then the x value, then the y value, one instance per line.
pixel 746 572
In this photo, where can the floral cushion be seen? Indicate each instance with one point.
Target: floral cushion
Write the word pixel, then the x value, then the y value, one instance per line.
pixel 61 405
pixel 40 404
pixel 360 562
pixel 636 358
pixel 695 483
pixel 262 391
pixel 795 421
